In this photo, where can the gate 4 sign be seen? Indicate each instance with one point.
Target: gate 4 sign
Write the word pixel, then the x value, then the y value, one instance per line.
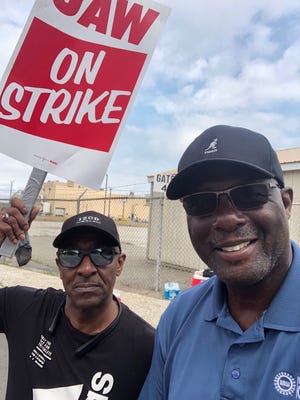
pixel 71 81
pixel 161 182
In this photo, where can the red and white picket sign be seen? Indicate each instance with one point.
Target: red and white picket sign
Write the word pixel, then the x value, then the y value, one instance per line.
pixel 70 83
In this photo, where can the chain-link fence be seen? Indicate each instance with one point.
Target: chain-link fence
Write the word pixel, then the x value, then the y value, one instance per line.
pixel 153 233
pixel 169 240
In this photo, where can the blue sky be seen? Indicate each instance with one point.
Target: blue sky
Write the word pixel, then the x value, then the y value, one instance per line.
pixel 217 62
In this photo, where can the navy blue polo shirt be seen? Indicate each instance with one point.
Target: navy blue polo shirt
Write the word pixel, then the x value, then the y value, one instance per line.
pixel 202 353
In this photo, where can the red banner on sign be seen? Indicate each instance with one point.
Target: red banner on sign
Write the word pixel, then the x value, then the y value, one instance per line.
pixel 60 88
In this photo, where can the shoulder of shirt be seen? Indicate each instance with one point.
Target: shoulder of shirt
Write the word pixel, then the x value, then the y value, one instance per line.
pixel 137 321
pixel 31 292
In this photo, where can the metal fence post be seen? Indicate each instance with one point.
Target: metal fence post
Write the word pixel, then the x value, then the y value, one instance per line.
pixel 159 242
pixel 79 199
pixel 149 221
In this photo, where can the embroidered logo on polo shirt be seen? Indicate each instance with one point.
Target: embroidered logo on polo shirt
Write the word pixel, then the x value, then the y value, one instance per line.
pixel 41 352
pixel 285 383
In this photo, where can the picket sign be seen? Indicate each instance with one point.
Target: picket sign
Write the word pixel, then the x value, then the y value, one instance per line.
pixel 71 81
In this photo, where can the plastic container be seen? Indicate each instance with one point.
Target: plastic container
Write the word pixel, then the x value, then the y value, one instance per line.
pixel 172 289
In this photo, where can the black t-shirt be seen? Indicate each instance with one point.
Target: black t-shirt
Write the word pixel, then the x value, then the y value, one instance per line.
pixel 49 359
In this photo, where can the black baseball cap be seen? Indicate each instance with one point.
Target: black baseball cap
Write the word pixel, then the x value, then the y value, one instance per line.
pixel 223 150
pixel 105 226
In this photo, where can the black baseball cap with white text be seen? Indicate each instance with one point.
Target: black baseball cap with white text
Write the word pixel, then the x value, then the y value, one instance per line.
pixel 102 224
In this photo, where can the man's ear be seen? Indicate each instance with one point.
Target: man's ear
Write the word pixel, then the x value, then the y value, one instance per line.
pixel 121 261
pixel 287 198
pixel 58 266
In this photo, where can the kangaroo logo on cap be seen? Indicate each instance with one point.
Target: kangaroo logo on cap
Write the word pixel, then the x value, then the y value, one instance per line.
pixel 212 148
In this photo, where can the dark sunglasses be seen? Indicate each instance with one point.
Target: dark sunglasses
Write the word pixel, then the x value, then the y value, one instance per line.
pixel 244 197
pixel 69 258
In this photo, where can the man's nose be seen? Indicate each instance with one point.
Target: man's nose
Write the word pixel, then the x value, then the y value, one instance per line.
pixel 86 267
pixel 227 216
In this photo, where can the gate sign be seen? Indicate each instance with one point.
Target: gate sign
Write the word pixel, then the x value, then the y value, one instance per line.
pixel 161 181
pixel 72 78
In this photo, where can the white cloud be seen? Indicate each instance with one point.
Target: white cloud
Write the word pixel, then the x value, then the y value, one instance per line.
pixel 217 62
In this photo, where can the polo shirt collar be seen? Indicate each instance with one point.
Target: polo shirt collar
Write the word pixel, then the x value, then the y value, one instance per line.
pixel 283 313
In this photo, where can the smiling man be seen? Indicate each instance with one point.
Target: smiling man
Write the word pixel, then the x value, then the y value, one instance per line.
pixel 81 343
pixel 236 336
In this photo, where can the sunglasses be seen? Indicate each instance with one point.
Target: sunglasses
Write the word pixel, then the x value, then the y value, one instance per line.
pixel 70 258
pixel 244 197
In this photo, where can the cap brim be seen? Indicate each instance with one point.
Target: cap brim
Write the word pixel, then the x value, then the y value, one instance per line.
pixel 187 180
pixel 64 237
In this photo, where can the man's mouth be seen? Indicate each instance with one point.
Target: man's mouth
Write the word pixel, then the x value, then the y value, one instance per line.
pixel 236 247
pixel 85 285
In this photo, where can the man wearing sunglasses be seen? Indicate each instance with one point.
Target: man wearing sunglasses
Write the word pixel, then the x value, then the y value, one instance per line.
pixel 81 343
pixel 237 335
